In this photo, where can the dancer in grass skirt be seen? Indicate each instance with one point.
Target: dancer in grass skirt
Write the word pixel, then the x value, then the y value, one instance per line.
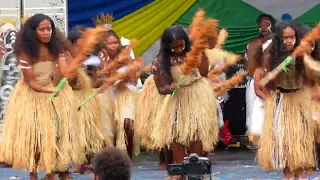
pixel 38 135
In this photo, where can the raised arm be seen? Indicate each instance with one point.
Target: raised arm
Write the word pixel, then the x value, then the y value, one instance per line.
pixel 63 65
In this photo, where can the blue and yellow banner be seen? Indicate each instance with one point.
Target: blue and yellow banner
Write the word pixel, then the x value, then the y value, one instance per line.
pixel 148 23
pixel 145 20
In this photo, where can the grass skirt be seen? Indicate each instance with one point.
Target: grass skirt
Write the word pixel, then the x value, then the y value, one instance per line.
pixel 188 116
pixel 89 116
pixel 288 133
pixel 107 120
pixel 124 108
pixel 148 105
pixel 33 127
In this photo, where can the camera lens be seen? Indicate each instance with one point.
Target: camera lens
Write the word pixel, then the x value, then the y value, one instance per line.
pixel 193 158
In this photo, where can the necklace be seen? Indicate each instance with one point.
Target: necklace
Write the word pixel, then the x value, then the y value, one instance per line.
pixel 179 59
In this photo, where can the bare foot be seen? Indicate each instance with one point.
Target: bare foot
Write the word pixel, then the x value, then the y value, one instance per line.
pixel 302 176
pixel 5 165
pixel 64 176
pixel 174 178
pixel 287 173
pixel 288 176
pixel 33 176
pixel 163 167
pixel 132 163
pixel 87 172
pixel 76 169
pixel 310 172
pixel 49 177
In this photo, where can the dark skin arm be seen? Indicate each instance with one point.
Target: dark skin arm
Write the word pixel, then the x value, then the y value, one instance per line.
pixel 164 87
pixel 251 51
pixel 62 62
pixel 204 66
pixel 315 95
pixel 28 76
pixel 258 75
pixel 266 56
pixel 315 54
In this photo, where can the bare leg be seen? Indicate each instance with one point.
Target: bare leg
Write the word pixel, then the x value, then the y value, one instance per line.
pixel 4 165
pixel 64 176
pixel 309 171
pixel 162 160
pixel 128 126
pixel 179 153
pixel 82 169
pixel 287 173
pixel 50 176
pixel 169 155
pixel 166 157
pixel 196 147
pixel 34 175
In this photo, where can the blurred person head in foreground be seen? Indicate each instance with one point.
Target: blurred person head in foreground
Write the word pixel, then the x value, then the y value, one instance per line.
pixel 111 164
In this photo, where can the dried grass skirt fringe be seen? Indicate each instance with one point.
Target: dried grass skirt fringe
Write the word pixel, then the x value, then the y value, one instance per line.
pixel 288 134
pixel 147 106
pixel 33 127
pixel 188 116
pixel 89 116
pixel 124 108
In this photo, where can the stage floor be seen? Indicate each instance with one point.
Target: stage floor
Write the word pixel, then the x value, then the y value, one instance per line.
pixel 232 164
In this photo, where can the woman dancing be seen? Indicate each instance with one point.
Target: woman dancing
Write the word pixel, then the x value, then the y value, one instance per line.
pixel 287 140
pixel 124 98
pixel 37 135
pixel 190 123
pixel 146 112
pixel 90 114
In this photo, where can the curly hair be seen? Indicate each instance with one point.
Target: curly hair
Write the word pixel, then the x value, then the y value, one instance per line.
pixel 27 41
pixel 279 51
pixel 111 164
pixel 171 34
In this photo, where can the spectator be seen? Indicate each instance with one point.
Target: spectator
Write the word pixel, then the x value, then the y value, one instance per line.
pixel 111 164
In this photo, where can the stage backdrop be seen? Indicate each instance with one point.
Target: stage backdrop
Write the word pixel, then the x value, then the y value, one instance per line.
pixel 141 19
pixel 146 19
pixel 82 11
pixel 239 16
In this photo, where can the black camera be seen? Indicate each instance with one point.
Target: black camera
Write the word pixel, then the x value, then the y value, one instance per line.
pixel 194 167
